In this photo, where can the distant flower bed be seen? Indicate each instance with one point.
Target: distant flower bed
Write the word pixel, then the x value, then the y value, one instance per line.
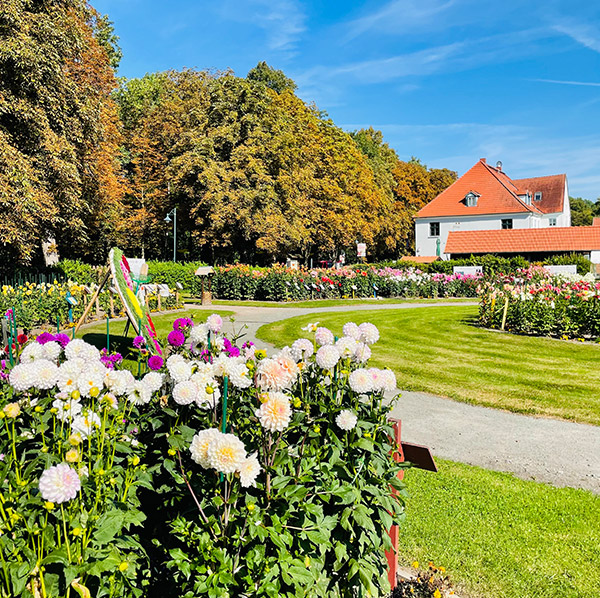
pixel 218 471
pixel 279 283
pixel 37 305
pixel 535 302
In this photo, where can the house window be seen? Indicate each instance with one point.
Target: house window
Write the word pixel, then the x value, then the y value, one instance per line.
pixel 538 196
pixel 552 222
pixel 506 223
pixel 434 229
pixel 470 200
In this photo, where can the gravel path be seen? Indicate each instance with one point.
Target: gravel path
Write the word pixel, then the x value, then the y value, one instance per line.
pixel 533 448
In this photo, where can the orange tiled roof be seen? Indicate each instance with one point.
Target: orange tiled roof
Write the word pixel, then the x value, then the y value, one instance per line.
pixel 524 240
pixel 552 188
pixel 420 259
pixel 498 194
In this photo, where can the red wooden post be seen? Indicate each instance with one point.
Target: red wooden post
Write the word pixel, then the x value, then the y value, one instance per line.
pixel 392 555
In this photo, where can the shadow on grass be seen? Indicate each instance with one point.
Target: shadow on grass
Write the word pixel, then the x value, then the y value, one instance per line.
pixel 120 344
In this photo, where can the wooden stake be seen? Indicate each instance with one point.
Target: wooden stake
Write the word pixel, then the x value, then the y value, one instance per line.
pixel 504 313
pixel 92 301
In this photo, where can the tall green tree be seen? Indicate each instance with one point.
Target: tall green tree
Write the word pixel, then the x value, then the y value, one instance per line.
pixel 583 211
pixel 59 134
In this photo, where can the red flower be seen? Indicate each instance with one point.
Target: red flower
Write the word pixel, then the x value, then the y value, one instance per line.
pixel 22 339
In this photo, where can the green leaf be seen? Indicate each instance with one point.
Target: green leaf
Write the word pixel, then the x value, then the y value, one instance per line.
pixel 108 526
pixel 300 576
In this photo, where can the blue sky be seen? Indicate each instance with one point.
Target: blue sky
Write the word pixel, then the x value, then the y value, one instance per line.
pixel 448 81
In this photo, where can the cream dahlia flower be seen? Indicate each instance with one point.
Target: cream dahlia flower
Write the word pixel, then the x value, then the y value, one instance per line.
pixel 275 413
pixel 249 470
pixel 226 453
pixel 200 444
pixel 327 357
pixel 346 420
pixel 59 483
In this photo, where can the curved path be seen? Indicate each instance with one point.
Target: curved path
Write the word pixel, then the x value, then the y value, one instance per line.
pixel 553 451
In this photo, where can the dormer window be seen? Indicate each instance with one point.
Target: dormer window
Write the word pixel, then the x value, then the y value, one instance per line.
pixel 537 196
pixel 471 199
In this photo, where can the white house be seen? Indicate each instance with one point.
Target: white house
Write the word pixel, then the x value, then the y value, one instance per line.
pixel 486 199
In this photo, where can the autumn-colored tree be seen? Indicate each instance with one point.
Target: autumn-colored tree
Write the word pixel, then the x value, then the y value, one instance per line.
pixel 58 132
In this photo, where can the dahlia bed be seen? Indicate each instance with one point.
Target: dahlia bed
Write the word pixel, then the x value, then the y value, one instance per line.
pixel 535 302
pixel 217 471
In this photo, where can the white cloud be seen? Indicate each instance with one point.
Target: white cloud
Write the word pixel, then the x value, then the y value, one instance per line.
pixel 585 34
pixel 400 16
pixel 283 21
pixel 582 83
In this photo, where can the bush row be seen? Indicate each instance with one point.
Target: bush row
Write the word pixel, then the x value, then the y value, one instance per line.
pixel 493 264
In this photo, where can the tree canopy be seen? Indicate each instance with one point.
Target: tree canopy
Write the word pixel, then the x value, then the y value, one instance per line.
pixel 255 173
pixel 59 134
pixel 583 211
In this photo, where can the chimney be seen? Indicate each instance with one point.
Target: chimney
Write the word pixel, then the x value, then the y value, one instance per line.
pixel 499 166
pixel 483 160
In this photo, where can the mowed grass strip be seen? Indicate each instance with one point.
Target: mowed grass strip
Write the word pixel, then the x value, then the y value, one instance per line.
pixel 501 536
pixel 440 350
pixel 317 303
pixel 96 334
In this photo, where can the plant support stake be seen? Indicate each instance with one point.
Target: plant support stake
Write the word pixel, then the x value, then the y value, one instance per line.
pixel 224 422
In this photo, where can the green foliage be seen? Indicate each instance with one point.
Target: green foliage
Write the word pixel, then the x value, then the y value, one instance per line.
pixel 584 266
pixel 58 132
pixel 583 211
pixel 274 79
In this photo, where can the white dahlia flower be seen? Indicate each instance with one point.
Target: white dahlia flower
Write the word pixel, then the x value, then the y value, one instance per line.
pixel 153 380
pixel 199 334
pixel 346 420
pixel 346 346
pixel 249 470
pixel 46 374
pixel 52 350
pixel 239 376
pixel 271 375
pixel 200 444
pixel 352 330
pixel 119 382
pixel 208 395
pixel 363 353
pixel 180 370
pixel 89 379
pixel 311 327
pixel 388 383
pixel 368 333
pixel 226 453
pixel 59 483
pixel 85 424
pixel 140 394
pixel 302 349
pixel 275 413
pixel 324 336
pixel 327 357
pixel 214 323
pixel 66 409
pixel 361 381
pixel 22 377
pixel 185 392
pixel 31 352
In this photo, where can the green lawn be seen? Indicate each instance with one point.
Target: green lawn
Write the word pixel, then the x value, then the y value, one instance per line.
pixel 502 537
pixel 439 350
pixel 96 333
pixel 316 303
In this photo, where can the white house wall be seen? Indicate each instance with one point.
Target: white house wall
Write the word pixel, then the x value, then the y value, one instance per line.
pixel 426 245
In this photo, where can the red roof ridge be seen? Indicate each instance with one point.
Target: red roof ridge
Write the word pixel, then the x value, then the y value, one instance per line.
pixel 494 171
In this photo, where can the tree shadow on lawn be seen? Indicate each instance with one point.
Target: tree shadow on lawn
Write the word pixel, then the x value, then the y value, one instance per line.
pixel 118 343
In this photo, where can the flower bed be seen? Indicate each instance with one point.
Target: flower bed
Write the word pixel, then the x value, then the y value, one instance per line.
pixel 284 284
pixel 541 304
pixel 37 305
pixel 219 471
